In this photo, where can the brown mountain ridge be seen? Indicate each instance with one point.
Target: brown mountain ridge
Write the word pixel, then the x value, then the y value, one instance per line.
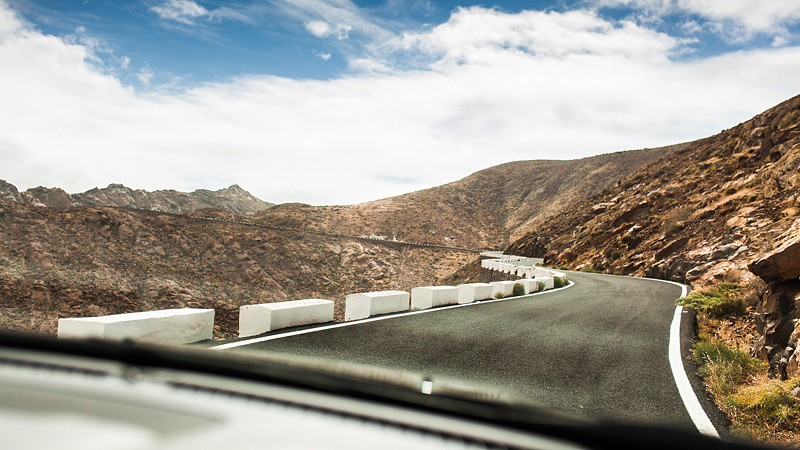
pixel 484 210
pixel 233 198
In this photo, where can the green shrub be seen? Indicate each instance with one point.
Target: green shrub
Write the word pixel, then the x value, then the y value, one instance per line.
pixel 519 289
pixel 772 406
pixel 625 238
pixel 717 302
pixel 722 367
pixel 558 282
pixel 752 198
pixel 730 191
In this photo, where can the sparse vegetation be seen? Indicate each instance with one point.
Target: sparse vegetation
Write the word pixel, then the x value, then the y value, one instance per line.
pixel 589 269
pixel 716 302
pixel 759 408
pixel 519 289
pixel 723 368
pixel 541 286
pixel 612 254
pixel 675 222
pixel 770 406
pixel 559 282
pixel 730 191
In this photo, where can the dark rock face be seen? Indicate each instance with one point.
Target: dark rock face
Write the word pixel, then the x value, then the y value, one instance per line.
pixel 9 192
pixel 778 312
pixel 671 248
pixel 775 318
pixel 781 265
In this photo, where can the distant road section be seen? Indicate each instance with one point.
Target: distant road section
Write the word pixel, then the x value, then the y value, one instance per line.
pixel 598 349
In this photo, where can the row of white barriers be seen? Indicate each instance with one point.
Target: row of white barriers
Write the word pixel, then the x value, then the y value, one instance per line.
pixel 187 325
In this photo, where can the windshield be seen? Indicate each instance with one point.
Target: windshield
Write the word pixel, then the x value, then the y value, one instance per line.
pixel 428 194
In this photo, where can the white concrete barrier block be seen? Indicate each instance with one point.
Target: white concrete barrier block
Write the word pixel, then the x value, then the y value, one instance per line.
pixel 548 282
pixel 524 272
pixel 429 296
pixel 365 304
pixel 169 326
pixel 257 319
pixel 530 285
pixel 470 292
pixel 502 288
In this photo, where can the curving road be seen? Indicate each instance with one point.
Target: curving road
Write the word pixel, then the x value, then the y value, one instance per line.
pixel 598 348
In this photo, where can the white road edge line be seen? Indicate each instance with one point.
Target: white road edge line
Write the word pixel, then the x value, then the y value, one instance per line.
pixel 372 319
pixel 690 401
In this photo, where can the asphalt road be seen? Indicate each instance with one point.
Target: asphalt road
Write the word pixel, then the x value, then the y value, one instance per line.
pixel 598 348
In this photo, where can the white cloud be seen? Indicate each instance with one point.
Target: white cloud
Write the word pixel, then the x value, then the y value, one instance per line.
pixel 322 55
pixel 754 15
pixel 183 11
pixel 333 18
pixel 322 29
pixel 497 87
pixel 779 41
pixel 475 33
pixel 746 16
pixel 145 75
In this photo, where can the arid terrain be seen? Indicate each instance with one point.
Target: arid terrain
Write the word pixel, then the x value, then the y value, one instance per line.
pixel 725 209
pixel 90 261
pixel 699 215
pixel 110 250
pixel 484 210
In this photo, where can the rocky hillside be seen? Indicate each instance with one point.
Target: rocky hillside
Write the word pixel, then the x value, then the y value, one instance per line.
pixel 700 215
pixel 723 209
pixel 233 199
pixel 483 210
pixel 91 261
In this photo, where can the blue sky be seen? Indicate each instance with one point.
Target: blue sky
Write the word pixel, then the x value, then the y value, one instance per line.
pixel 339 101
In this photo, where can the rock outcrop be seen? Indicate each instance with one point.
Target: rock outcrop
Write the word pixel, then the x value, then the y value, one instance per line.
pixel 782 264
pixel 233 199
pixel 778 311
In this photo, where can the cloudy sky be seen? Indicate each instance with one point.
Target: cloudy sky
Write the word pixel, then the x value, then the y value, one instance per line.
pixel 340 101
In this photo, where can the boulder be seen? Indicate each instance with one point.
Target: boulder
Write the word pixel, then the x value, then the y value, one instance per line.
pixel 775 319
pixel 670 248
pixel 725 251
pixel 782 264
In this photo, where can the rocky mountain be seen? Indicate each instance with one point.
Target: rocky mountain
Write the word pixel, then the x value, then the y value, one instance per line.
pixel 93 261
pixel 699 215
pixel 484 210
pixel 233 198
pixel 722 209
